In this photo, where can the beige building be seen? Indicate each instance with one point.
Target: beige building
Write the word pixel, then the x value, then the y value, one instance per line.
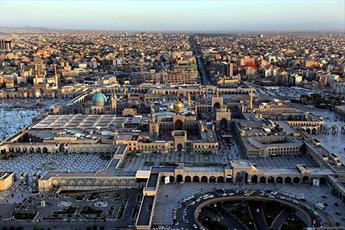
pixel 6 180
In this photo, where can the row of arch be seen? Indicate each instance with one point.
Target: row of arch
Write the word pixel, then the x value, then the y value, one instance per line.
pixel 279 179
pixel 54 149
pixel 121 182
pixel 179 178
pixel 203 91
pixel 313 131
pixel 245 178
pixel 27 150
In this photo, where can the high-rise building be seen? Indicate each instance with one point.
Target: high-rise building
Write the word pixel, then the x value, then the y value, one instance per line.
pixel 230 69
pixel 5 45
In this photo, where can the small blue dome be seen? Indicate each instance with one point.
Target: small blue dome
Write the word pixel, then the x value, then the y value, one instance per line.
pixel 99 99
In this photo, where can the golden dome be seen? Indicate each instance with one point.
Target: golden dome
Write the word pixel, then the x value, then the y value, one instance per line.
pixel 178 107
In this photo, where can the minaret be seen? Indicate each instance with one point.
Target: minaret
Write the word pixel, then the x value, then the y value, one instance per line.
pixel 113 103
pixel 153 124
pixel 188 99
pixel 250 95
pixel 152 113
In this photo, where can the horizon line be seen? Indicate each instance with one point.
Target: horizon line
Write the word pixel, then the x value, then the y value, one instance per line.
pixel 167 31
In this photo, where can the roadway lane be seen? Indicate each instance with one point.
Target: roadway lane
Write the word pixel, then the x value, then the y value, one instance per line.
pixel 204 77
pixel 279 220
pixel 231 221
pixel 257 214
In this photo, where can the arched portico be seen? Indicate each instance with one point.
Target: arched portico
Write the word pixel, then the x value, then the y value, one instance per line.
pixel 296 180
pixel 179 178
pixel 241 177
pixel 204 179
pixel 196 179
pixel 263 180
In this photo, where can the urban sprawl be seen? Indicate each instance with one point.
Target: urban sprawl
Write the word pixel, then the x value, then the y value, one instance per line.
pixel 105 130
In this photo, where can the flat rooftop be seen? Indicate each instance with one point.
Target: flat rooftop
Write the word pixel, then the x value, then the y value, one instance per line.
pixel 76 121
pixel 145 211
pixel 153 180
pixel 80 121
pixel 203 169
pixel 240 163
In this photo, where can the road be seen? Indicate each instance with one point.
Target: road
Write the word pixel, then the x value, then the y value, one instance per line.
pixel 205 78
pixel 230 220
pixel 256 211
pixel 279 220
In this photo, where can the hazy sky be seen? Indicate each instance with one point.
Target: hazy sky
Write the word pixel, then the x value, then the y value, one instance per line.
pixel 177 15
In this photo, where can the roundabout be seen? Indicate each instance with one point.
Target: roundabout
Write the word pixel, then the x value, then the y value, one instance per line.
pixel 244 209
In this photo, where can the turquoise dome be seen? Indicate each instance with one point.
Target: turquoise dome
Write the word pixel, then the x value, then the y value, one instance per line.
pixel 99 99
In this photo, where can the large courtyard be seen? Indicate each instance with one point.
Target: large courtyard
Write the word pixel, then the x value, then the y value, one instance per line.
pixel 17 114
pixel 12 120
pixel 62 162
pixel 333 142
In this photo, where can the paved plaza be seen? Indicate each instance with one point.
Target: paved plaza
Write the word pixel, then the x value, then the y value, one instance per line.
pixel 146 160
pixel 170 196
pixel 16 194
pixel 283 92
pixel 12 120
pixel 137 161
pixel 333 143
pixel 17 114
pixel 62 162
pixel 283 161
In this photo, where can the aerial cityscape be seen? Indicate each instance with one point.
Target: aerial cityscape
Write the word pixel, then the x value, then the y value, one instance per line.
pixel 184 123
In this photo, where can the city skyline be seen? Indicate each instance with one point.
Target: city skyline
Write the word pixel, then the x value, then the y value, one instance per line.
pixel 172 114
pixel 176 15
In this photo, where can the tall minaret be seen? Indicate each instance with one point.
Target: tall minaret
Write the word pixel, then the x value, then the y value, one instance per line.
pixel 153 124
pixel 250 96
pixel 113 103
pixel 188 99
pixel 152 113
